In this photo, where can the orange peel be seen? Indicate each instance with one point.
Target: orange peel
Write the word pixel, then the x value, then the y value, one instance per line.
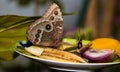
pixel 106 43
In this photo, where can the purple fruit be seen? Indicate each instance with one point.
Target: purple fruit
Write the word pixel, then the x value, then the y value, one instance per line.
pixel 99 56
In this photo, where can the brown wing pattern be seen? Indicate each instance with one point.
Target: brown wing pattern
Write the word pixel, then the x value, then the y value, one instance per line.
pixel 47 31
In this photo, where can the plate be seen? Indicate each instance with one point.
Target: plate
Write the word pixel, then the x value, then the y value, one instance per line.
pixel 67 66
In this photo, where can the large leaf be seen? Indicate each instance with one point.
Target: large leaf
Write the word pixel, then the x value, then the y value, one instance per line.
pixel 11 21
pixel 12 29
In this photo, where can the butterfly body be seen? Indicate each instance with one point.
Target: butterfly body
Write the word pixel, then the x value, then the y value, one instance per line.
pixel 47 31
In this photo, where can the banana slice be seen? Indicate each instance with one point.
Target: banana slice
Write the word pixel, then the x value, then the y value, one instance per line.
pixel 35 50
pixel 54 54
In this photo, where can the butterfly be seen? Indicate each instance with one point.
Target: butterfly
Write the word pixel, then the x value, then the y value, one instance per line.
pixel 47 30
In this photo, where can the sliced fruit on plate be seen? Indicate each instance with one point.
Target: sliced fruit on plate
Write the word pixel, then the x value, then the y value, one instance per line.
pixel 99 56
pixel 74 41
pixel 54 54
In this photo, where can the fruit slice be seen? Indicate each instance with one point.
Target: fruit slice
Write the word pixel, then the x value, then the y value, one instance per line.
pixel 54 54
pixel 73 41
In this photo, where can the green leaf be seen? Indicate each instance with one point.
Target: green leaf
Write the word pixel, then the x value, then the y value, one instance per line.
pixel 11 21
pixel 12 29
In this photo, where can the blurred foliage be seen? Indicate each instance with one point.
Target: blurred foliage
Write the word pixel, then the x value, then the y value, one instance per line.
pixel 23 2
pixel 83 33
pixel 11 21
pixel 12 29
pixel 78 33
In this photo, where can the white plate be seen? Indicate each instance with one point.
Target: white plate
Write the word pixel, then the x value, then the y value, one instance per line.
pixel 67 66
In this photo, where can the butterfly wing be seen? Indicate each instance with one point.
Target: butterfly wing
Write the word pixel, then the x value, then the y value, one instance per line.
pixel 47 31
